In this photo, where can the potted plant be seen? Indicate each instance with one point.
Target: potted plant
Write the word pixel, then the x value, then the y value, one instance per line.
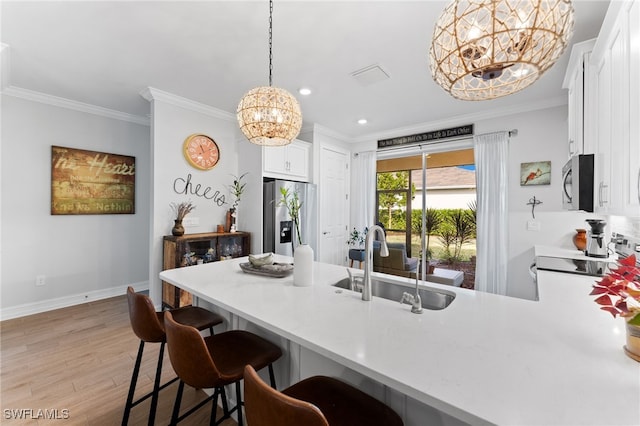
pixel 619 294
pixel 180 210
pixel 357 238
pixel 236 189
pixel 303 253
pixel 292 203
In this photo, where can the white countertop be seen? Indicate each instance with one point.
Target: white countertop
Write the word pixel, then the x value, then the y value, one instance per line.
pixel 485 358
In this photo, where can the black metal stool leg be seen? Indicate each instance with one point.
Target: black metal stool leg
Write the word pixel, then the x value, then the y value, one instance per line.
pixel 214 408
pixel 272 377
pixel 132 386
pixel 225 404
pixel 156 387
pixel 176 406
pixel 239 403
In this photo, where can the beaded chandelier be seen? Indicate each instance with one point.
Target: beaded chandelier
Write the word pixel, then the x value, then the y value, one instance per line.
pixel 485 49
pixel 269 115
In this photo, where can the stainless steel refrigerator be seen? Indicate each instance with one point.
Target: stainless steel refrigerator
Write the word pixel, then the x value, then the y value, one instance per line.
pixel 279 230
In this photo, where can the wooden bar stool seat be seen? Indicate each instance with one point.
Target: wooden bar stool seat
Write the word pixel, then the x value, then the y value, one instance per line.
pixel 316 401
pixel 213 362
pixel 148 325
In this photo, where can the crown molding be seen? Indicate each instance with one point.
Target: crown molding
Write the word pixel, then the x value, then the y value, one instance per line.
pixel 44 98
pixel 153 94
pixel 319 128
pixel 465 118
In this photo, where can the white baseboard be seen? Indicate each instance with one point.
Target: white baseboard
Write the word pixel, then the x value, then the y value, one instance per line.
pixel 63 302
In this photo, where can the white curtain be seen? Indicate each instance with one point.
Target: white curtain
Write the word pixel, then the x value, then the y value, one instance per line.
pixel 363 190
pixel 491 156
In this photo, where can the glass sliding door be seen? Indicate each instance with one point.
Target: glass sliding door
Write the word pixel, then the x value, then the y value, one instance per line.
pixel 393 204
pixel 429 205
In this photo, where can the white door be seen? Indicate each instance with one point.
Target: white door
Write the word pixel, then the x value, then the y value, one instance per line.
pixel 333 204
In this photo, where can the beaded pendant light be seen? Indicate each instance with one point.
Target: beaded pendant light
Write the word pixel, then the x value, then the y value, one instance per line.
pixel 485 49
pixel 269 115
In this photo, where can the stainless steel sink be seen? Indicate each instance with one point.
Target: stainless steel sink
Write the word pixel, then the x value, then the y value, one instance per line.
pixel 431 299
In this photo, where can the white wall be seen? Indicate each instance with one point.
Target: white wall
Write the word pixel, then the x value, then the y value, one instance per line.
pixel 542 136
pixel 83 257
pixel 173 120
pixel 445 198
pixel 628 226
pixel 250 209
pixel 88 257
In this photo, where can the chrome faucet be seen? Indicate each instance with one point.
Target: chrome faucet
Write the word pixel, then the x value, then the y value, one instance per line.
pixel 368 257
pixel 355 283
pixel 415 300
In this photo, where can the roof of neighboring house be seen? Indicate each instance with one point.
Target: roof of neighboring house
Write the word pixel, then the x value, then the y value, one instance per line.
pixel 445 177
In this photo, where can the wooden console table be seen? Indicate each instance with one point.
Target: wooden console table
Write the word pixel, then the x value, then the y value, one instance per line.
pixel 193 249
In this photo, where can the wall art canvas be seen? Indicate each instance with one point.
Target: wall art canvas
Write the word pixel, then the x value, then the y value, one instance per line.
pixel 90 182
pixel 538 173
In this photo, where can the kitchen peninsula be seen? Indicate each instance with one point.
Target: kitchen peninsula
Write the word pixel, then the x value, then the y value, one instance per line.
pixel 485 359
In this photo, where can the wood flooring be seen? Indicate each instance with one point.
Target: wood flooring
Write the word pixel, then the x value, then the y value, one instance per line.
pixel 76 363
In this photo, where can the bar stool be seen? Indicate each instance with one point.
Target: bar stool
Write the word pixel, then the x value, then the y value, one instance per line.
pixel 214 362
pixel 316 401
pixel 148 325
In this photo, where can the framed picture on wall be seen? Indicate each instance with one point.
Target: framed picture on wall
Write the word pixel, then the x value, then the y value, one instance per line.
pixel 90 182
pixel 537 173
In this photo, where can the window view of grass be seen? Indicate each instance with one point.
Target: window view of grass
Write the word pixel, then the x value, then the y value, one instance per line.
pixel 450 225
pixel 451 234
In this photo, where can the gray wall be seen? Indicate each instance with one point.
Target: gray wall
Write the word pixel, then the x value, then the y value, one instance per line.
pixel 173 120
pixel 83 257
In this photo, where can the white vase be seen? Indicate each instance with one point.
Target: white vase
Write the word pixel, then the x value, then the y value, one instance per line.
pixel 303 266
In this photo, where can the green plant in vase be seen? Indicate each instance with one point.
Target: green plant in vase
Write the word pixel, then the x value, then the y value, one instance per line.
pixel 303 255
pixel 357 239
pixel 236 189
pixel 291 201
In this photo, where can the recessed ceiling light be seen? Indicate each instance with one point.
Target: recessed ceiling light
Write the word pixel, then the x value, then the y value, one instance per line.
pixel 304 91
pixel 362 121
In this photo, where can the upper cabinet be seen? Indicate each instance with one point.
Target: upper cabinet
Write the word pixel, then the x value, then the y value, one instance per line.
pixel 575 81
pixel 287 162
pixel 613 110
pixel 632 157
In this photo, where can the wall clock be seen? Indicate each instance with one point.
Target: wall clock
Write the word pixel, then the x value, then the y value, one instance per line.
pixel 201 151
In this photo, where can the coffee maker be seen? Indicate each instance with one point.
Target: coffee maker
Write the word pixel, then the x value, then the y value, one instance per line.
pixel 596 241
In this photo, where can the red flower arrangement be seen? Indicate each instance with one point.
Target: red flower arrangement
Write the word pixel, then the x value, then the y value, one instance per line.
pixel 620 291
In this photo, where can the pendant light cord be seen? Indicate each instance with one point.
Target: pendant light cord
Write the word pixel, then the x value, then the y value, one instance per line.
pixel 270 42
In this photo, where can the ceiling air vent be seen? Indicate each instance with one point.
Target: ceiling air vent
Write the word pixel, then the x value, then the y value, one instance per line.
pixel 370 75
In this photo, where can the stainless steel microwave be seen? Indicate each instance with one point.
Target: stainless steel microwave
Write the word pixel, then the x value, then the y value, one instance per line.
pixel 577 183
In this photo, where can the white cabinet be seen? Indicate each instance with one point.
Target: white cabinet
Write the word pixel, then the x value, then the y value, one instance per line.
pixel 615 111
pixel 287 162
pixel 603 132
pixel 576 77
pixel 632 156
pixel 575 114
